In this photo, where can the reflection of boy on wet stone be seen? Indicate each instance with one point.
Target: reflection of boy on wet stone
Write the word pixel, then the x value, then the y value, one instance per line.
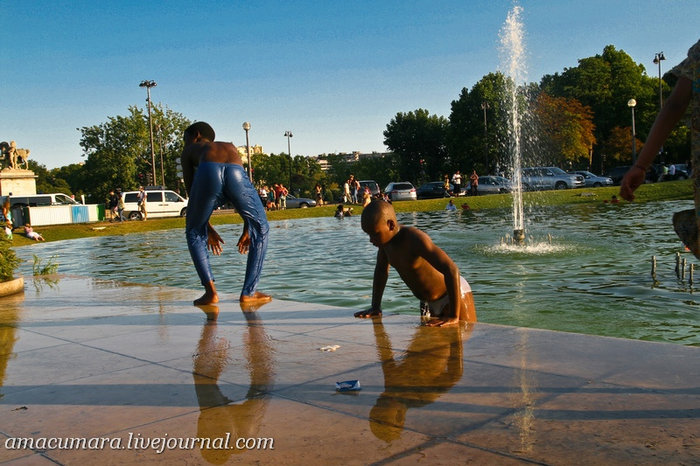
pixel 425 268
pixel 220 177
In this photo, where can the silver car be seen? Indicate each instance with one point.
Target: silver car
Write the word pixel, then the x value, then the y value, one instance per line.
pixel 550 178
pixel 400 191
pixel 294 202
pixel 593 181
pixel 494 185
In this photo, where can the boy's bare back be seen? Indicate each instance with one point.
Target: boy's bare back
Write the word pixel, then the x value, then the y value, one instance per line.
pixel 408 253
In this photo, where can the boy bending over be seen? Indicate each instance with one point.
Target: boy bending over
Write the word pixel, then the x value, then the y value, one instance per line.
pixel 425 268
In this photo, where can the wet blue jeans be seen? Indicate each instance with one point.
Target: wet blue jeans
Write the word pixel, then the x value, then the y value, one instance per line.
pixel 213 184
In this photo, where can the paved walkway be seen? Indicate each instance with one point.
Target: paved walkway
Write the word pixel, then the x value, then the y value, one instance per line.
pixel 124 367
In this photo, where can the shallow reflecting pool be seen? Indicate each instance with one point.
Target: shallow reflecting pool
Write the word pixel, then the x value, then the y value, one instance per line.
pixel 586 269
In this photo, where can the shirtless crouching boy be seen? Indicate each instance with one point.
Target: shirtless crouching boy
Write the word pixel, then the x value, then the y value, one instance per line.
pixel 425 268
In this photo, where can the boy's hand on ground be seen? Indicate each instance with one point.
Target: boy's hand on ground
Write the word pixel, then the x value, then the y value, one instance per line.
pixel 438 322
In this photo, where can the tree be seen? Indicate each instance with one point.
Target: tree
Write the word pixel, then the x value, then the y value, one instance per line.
pixel 118 151
pixel 566 131
pixel 471 145
pixel 617 149
pixel 605 83
pixel 418 141
pixel 47 181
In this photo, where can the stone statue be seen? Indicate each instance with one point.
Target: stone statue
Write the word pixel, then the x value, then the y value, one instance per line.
pixel 15 157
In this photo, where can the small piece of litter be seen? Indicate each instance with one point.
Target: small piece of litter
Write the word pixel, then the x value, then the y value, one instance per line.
pixel 348 386
pixel 329 348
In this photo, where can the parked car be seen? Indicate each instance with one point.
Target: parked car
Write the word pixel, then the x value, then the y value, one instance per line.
pixel 536 178
pixel 159 203
pixel 433 190
pixel 372 185
pixel 294 202
pixel 593 181
pixel 616 173
pixel 400 191
pixel 492 184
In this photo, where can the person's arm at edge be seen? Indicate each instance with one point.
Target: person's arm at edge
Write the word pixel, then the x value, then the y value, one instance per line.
pixel 671 113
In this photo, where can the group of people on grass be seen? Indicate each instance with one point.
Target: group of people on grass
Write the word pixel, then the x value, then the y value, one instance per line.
pixel 273 197
pixel 9 226
pixel 471 189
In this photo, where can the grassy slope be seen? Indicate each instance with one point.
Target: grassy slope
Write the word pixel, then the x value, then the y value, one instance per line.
pixel 672 190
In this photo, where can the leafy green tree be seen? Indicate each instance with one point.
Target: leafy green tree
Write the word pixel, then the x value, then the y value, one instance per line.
pixel 118 151
pixel 418 141
pixel 75 175
pixel 473 144
pixel 47 181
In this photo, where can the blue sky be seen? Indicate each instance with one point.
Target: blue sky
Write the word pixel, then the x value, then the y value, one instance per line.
pixel 332 72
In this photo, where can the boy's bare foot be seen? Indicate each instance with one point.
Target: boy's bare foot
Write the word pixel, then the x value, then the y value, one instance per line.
pixel 367 313
pixel 206 298
pixel 256 298
pixel 210 295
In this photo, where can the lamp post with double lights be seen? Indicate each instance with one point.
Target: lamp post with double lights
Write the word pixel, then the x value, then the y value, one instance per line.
pixel 289 135
pixel 658 58
pixel 148 85
pixel 246 127
pixel 631 104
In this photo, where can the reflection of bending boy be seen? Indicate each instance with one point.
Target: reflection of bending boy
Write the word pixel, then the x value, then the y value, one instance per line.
pixel 429 273
pixel 432 365
pixel 219 414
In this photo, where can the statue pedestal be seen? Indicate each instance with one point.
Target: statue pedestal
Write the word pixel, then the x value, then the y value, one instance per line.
pixel 17 181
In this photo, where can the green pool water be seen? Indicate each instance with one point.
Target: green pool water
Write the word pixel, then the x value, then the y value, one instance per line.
pixel 585 269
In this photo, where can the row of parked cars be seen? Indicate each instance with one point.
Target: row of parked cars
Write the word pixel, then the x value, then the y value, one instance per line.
pixel 535 178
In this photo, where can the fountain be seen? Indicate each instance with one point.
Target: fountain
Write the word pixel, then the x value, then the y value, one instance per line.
pixel 513 63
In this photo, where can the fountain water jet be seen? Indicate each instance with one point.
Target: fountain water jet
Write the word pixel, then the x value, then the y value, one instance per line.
pixel 513 63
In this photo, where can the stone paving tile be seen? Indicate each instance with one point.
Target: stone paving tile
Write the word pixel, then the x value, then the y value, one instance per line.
pixel 91 358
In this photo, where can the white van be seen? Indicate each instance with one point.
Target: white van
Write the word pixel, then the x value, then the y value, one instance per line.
pixel 159 203
pixel 35 200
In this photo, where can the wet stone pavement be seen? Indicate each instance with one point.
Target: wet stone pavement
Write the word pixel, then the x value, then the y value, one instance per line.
pixel 103 372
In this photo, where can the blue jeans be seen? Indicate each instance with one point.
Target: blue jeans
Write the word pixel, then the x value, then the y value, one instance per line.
pixel 213 184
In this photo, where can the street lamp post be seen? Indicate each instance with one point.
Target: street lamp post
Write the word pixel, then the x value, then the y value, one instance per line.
pixel 631 104
pixel 289 135
pixel 246 127
pixel 148 85
pixel 159 128
pixel 658 58
pixel 484 107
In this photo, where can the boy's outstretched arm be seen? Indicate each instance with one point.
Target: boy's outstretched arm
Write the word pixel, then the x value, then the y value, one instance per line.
pixel 670 114
pixel 381 275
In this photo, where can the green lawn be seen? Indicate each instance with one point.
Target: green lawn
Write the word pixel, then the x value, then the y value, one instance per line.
pixel 672 190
